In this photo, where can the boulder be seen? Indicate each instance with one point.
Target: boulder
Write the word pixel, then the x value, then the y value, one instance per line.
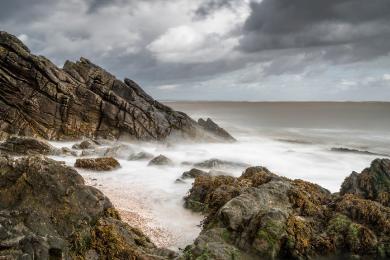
pixel 86 144
pixel 17 145
pixel 217 163
pixel 372 183
pixel 39 99
pixel 193 173
pixel 264 216
pixel 47 212
pixel 211 127
pixel 140 156
pixel 97 164
pixel 160 160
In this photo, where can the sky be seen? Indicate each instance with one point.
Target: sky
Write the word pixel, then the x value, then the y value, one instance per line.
pixel 253 50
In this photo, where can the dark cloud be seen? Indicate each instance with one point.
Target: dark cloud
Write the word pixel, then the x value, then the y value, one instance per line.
pixel 280 40
pixel 208 7
pixel 281 24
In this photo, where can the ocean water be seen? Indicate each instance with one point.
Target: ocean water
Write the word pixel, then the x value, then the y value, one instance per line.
pixel 290 139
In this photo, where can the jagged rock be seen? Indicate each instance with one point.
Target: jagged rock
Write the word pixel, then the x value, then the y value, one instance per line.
pixel 81 100
pixel 47 212
pixel 372 183
pixel 17 145
pixel 140 156
pixel 98 164
pixel 264 216
pixel 160 160
pixel 216 163
pixel 210 126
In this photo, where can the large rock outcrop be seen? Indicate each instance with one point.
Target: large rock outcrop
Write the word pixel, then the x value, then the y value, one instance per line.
pixel 264 216
pixel 47 212
pixel 81 100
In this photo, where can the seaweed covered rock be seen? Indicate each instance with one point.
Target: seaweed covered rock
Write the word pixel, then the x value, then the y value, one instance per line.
pixel 47 212
pixel 97 164
pixel 264 216
pixel 17 145
pixel 372 183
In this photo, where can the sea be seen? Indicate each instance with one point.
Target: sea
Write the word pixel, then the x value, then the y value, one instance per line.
pixel 320 142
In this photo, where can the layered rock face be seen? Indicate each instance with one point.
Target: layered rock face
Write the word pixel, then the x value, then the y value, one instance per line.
pixel 81 100
pixel 47 212
pixel 264 216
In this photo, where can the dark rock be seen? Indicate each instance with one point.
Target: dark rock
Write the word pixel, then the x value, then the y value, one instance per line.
pixel 140 156
pixel 47 212
pixel 98 164
pixel 193 173
pixel 349 150
pixel 81 100
pixel 372 183
pixel 118 151
pixel 264 216
pixel 68 151
pixel 86 144
pixel 160 160
pixel 216 163
pixel 211 127
pixel 17 145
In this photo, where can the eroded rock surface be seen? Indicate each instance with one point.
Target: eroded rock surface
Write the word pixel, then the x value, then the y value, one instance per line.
pixel 264 216
pixel 47 212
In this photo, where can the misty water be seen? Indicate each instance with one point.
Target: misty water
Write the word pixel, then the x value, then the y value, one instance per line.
pixel 290 139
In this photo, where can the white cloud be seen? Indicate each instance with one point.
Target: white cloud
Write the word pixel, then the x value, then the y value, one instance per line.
pixel 386 77
pixel 200 41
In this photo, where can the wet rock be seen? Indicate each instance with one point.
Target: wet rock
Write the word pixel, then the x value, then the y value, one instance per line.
pixel 160 160
pixel 216 163
pixel 98 164
pixel 140 156
pixel 17 145
pixel 68 151
pixel 79 100
pixel 264 216
pixel 372 183
pixel 356 151
pixel 47 212
pixel 86 144
pixel 118 151
pixel 193 173
pixel 211 127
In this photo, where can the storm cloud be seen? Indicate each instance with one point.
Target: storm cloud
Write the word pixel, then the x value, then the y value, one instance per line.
pixel 219 49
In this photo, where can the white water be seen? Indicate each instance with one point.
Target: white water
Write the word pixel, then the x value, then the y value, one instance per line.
pixel 152 194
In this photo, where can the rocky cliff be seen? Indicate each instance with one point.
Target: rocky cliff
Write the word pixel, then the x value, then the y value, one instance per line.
pixel 80 100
